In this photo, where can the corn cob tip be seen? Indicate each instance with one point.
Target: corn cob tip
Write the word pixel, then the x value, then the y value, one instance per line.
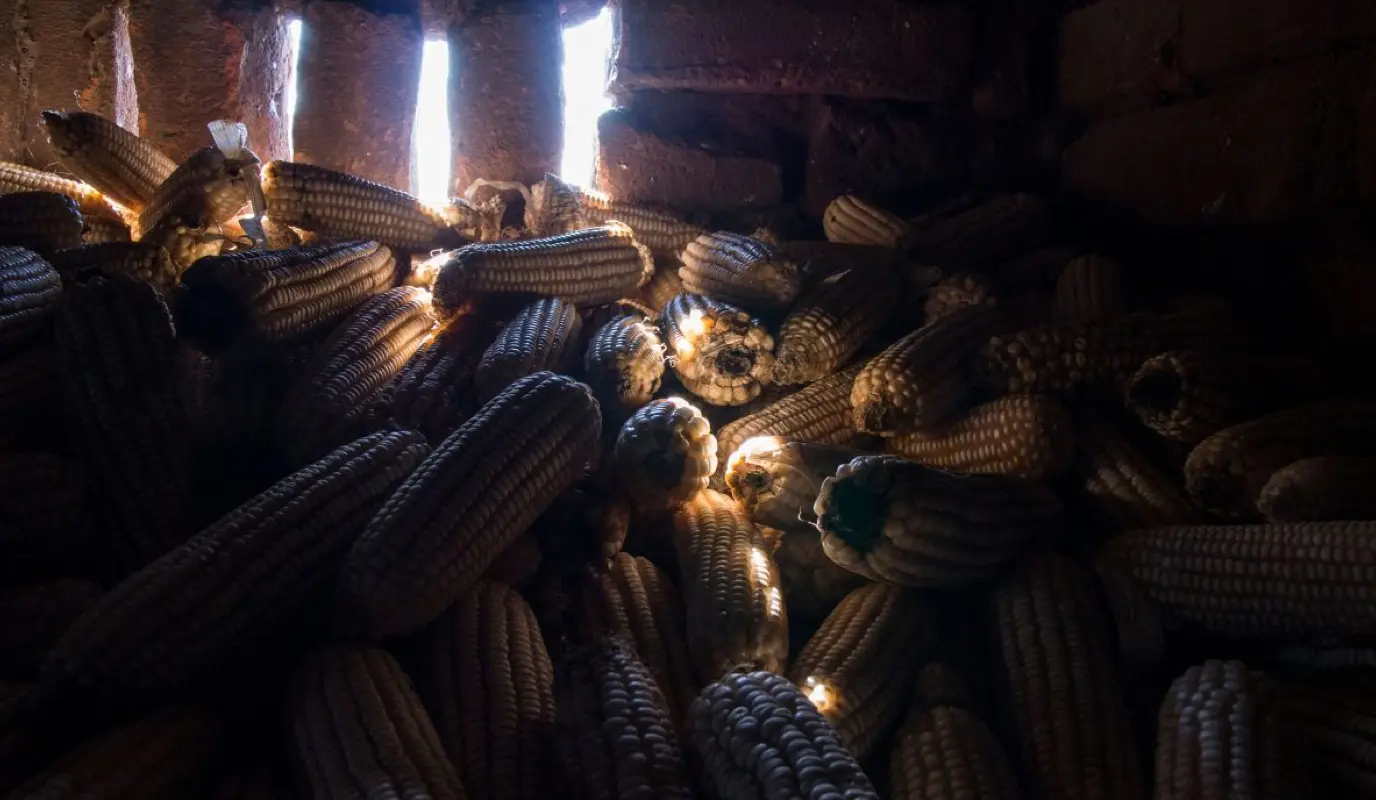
pixel 851 510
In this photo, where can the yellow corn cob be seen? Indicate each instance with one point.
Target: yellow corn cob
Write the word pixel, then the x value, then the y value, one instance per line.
pixel 103 230
pixel 776 480
pixel 1334 719
pixel 828 325
pixel 542 336
pixel 662 287
pixel 587 267
pixel 230 587
pixel 120 164
pixel 759 736
pixel 186 244
pixel 16 178
pixel 958 291
pixel 29 292
pixel 736 614
pixel 1324 488
pixel 662 231
pixel 920 381
pixel 431 393
pixel 664 453
pixel 739 270
pixel 898 521
pixel 1002 227
pixel 33 617
pixel 359 730
pixel 1029 435
pixel 146 262
pixel 945 752
pixel 616 731
pixel 1090 289
pixel 41 221
pixel 721 353
pixel 1290 581
pixel 480 489
pixel 1073 733
pixel 44 526
pixel 819 412
pixel 624 362
pixel 1122 486
pixel 850 220
pixel 206 189
pixel 340 206
pixel 489 687
pixel 1227 471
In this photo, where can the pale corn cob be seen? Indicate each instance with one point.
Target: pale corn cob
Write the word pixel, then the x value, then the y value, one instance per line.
pixel 736 614
pixel 722 354
pixel 952 293
pixel 898 521
pixel 488 684
pixel 41 221
pixel 206 189
pixel 739 270
pixel 146 262
pixel 553 208
pixel 479 490
pixel 431 393
pixel 117 162
pixel 586 267
pixel 1072 729
pixel 1334 719
pixel 758 736
pixel 359 730
pixel 1027 435
pixel 1227 471
pixel 1002 227
pixel 1091 288
pixel 664 453
pixel 855 671
pixel 363 354
pixel 920 381
pixel 1218 736
pixel 44 526
pixel 624 362
pixel 542 336
pixel 664 285
pixel 776 480
pixel 229 588
pixel 1121 485
pixel 34 616
pixel 819 412
pixel 29 292
pixel 1323 488
pixel 850 220
pixel 945 752
pixel 186 244
pixel 831 322
pixel 1289 581
pixel 340 206
pixel 616 732
pixel 120 372
pixel 16 178
pixel 662 231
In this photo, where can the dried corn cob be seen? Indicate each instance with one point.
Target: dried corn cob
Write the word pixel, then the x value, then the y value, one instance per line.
pixel 32 617
pixel 337 205
pixel 542 336
pixel 117 162
pixel 853 668
pixel 359 730
pixel 1073 733
pixel 431 393
pixel 43 521
pixel 1227 471
pixel 480 489
pixel 41 221
pixel 721 353
pixel 206 189
pixel 736 614
pixel 16 178
pixel 828 325
pixel 1091 288
pixel 760 737
pixel 103 230
pixel 489 687
pixel 664 453
pixel 819 412
pixel 1002 227
pixel 1324 488
pixel 29 290
pixel 961 290
pixel 662 287
pixel 920 380
pixel 1334 718
pixel 850 220
pixel 624 362
pixel 616 730
pixel 245 577
pixel 945 752
pixel 739 270
pixel 813 584
pixel 662 231
pixel 776 480
pixel 1291 581
pixel 146 262
pixel 185 243
pixel 1028 435
pixel 553 208
pixel 587 267
pixel 898 521
pixel 1219 736
pixel 1122 486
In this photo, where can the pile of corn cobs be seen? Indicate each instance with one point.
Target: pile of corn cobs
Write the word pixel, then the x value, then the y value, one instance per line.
pixel 288 519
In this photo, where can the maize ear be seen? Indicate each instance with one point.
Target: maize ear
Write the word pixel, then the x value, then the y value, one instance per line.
pixel 850 220
pixel 741 271
pixel 519 564
pixel 721 353
pixel 103 230
pixel 17 178
pixel 479 490
pixel 344 207
pixel 1122 486
pixel 431 393
pixel 33 616
pixel 44 525
pixel 207 189
pixel 1091 288
pixel 828 325
pixel 186 244
pixel 664 453
pixel 146 262
pixel 1334 718
pixel 1029 436
pixel 1324 488
pixel 29 292
pixel 662 231
pixel 776 480
pixel 553 208
pixel 945 752
pixel 117 162
pixel 961 290
pixel 542 336
pixel 985 234
pixel 664 285
pixel 45 222
pixel 813 585
pixel 819 412
pixel 624 362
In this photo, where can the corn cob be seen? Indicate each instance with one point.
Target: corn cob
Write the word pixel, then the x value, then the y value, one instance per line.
pixel 542 336
pixel 359 730
pixel 479 221
pixel 186 244
pixel 1227 471
pixel 739 270
pixel 664 453
pixel 819 412
pixel 15 178
pixel 1219 736
pixel 813 584
pixel 480 489
pixel 776 480
pixel 920 381
pixel 103 230
pixel 1091 288
pixel 120 372
pixel 1299 580
pixel 1121 485
pixel 664 285
pixel 586 267
pixel 41 221
pixel 945 752
pixel 850 220
pixel 150 633
pixel 364 353
pixel 553 208
pixel 1002 227
pixel 121 165
pixel 146 262
pixel 43 521
pixel 1187 395
pixel 340 206
pixel 961 290
pixel 519 564
pixel 431 393
pixel 662 231
pixel 829 324
pixel 1073 733
pixel 898 521
pixel 206 189
pixel 1334 718
pixel 624 362
pixel 489 687
pixel 736 614
pixel 759 736
pixel 1324 488
pixel 720 353
pixel 616 731
pixel 1030 436
pixel 29 291
pixel 33 616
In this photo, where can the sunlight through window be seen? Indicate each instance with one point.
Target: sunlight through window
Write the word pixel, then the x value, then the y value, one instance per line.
pixel 431 157
pixel 293 78
pixel 587 48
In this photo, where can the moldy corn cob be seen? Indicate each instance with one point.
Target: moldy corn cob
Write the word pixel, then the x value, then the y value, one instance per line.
pixel 722 354
pixel 117 162
pixel 850 220
pixel 819 412
pixel 776 480
pixel 1029 436
pixel 146 262
pixel 208 188
pixel 664 453
pixel 340 206
pixel 833 321
pixel 624 362
pixel 15 178
pixel 45 222
pixel 741 271
pixel 542 336
pixel 1324 488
